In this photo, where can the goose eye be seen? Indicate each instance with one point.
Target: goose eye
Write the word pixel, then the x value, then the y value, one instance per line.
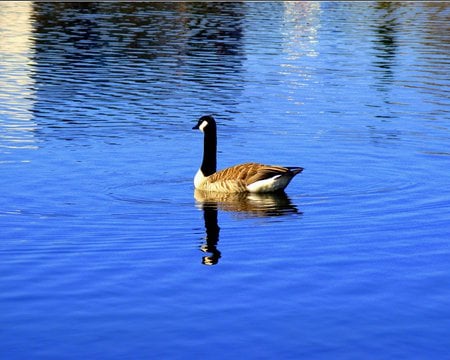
pixel 203 125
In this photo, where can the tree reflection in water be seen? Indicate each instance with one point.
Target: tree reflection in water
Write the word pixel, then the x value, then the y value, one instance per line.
pixel 246 204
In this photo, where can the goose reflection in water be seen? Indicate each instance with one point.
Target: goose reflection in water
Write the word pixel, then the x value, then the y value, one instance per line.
pixel 246 204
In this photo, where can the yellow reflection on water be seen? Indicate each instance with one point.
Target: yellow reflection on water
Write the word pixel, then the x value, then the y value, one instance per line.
pixel 246 204
pixel 16 82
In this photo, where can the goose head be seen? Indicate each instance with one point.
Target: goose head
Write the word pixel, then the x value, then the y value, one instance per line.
pixel 205 124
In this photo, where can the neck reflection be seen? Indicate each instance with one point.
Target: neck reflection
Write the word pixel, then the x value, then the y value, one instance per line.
pixel 243 204
pixel 212 235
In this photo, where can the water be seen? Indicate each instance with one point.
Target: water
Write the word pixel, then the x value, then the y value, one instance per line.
pixel 105 252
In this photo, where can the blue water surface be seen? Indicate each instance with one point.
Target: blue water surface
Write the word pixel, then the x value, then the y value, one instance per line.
pixel 106 252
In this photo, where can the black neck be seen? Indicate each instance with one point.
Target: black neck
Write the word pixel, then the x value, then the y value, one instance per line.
pixel 209 152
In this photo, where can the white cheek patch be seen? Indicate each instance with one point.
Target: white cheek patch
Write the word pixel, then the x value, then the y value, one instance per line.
pixel 203 125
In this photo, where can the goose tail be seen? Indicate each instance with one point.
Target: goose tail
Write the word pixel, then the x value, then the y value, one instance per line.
pixel 295 169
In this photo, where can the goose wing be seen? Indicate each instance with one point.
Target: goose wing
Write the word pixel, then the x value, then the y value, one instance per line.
pixel 249 173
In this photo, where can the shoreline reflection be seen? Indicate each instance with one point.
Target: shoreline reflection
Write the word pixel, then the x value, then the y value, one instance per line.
pixel 249 205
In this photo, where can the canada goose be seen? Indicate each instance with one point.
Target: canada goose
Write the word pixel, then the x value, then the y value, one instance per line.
pixel 248 177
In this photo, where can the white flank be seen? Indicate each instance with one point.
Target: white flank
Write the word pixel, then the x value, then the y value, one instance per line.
pixel 274 183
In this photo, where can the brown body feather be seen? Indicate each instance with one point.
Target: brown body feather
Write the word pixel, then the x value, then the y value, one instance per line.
pixel 248 173
pixel 237 178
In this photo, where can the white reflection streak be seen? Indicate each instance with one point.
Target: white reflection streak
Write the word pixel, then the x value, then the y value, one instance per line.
pixel 301 23
pixel 16 85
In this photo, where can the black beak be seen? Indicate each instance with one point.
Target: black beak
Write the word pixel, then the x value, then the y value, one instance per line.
pixel 196 127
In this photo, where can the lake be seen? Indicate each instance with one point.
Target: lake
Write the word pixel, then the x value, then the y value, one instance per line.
pixel 106 251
